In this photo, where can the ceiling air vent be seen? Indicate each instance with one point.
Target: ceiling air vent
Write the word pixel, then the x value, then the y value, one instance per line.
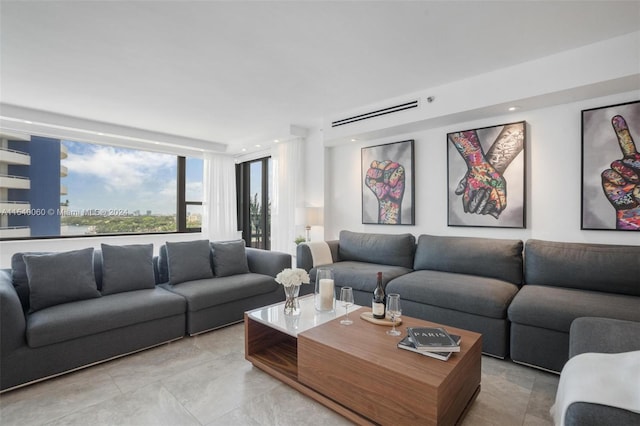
pixel 377 113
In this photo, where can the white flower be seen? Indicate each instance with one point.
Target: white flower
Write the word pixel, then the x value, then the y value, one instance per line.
pixel 295 276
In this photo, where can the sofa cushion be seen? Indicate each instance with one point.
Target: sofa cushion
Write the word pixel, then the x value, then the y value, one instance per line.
pixel 554 308
pixel 361 276
pixel 487 257
pixel 229 258
pixel 21 281
pixel 386 249
pixel 60 278
pixel 488 297
pixel 87 317
pixel 189 260
pixel 597 267
pixel 205 293
pixel 19 277
pixel 604 335
pixel 127 268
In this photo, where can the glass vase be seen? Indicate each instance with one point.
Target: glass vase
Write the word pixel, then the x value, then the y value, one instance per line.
pixel 291 304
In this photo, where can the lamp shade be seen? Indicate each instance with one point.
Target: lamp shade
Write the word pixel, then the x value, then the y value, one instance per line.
pixel 313 216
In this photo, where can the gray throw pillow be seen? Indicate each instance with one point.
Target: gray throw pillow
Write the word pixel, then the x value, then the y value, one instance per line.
pixel 229 258
pixel 19 277
pixel 127 268
pixel 60 278
pixel 188 261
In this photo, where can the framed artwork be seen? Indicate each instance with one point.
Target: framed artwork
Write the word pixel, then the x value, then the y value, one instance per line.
pixel 486 176
pixel 611 168
pixel 388 184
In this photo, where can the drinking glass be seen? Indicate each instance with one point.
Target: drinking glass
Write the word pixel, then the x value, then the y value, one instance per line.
pixel 346 298
pixel 394 311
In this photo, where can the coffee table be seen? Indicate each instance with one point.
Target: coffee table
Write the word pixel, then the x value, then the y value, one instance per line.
pixel 358 371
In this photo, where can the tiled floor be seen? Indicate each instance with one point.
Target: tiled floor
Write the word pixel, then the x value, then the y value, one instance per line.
pixel 205 380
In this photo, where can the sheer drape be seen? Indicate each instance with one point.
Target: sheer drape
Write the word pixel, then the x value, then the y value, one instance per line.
pixel 219 219
pixel 286 193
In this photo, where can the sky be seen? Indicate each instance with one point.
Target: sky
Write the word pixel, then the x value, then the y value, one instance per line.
pixel 110 178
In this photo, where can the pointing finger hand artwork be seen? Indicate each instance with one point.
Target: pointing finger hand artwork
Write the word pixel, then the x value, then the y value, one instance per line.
pixel 611 167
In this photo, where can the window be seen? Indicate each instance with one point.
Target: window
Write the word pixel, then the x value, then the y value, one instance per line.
pixel 67 188
pixel 190 169
pixel 254 207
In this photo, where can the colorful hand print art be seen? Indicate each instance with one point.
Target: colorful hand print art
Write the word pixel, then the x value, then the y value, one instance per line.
pixel 486 172
pixel 611 167
pixel 387 184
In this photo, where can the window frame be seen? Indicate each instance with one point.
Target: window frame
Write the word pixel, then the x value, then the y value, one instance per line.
pixel 181 208
pixel 243 200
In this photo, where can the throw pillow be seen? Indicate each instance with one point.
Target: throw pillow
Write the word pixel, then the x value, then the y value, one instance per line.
pixel 20 279
pixel 127 268
pixel 229 258
pixel 189 260
pixel 60 278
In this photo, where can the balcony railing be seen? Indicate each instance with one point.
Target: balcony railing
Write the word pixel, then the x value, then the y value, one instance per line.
pixel 11 156
pixel 15 232
pixel 14 182
pixel 10 206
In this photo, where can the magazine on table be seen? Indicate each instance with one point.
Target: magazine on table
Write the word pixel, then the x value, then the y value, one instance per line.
pixel 408 345
pixel 432 339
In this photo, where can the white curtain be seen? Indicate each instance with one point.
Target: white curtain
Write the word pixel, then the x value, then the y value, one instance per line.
pixel 286 193
pixel 219 219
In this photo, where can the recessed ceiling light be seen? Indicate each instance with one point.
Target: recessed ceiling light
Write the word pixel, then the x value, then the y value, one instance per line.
pixel 513 108
pixel 100 134
pixel 276 140
pixel 243 149
pixel 354 140
pixel 258 145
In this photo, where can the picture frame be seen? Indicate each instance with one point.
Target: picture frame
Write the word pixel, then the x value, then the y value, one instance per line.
pixel 610 168
pixel 486 176
pixel 388 182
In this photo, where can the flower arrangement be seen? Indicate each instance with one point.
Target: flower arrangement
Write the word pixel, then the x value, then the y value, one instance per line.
pixel 290 277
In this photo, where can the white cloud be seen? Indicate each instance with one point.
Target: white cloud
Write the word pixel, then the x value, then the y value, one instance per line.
pixel 120 168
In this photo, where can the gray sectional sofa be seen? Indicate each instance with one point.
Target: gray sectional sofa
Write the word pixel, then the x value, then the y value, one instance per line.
pixel 64 311
pixel 600 335
pixel 241 279
pixel 522 301
pixel 358 257
pixel 565 281
pixel 466 283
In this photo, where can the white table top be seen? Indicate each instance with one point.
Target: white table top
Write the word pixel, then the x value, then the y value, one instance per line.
pixel 273 316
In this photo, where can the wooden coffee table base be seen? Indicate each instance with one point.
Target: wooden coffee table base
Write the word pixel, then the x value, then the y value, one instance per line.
pixel 358 371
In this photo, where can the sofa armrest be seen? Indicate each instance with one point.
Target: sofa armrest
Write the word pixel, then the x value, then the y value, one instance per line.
pixel 604 335
pixel 304 259
pixel 267 262
pixel 13 324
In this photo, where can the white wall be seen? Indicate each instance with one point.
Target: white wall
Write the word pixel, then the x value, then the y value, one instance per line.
pixel 553 179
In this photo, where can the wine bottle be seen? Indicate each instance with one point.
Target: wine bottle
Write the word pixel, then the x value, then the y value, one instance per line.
pixel 378 305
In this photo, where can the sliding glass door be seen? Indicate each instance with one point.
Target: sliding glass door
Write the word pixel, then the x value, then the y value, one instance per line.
pixel 253 202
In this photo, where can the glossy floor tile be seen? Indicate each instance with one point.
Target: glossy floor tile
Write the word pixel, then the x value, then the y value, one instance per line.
pixel 205 380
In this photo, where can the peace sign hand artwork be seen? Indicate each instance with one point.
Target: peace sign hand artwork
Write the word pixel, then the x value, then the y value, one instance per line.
pixel 621 183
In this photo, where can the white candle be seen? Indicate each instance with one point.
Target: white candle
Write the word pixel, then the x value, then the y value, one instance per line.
pixel 326 294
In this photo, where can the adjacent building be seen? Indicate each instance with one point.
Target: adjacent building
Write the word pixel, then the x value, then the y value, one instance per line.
pixel 30 186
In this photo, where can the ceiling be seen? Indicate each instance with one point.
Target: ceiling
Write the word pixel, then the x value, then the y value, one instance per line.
pixel 240 73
